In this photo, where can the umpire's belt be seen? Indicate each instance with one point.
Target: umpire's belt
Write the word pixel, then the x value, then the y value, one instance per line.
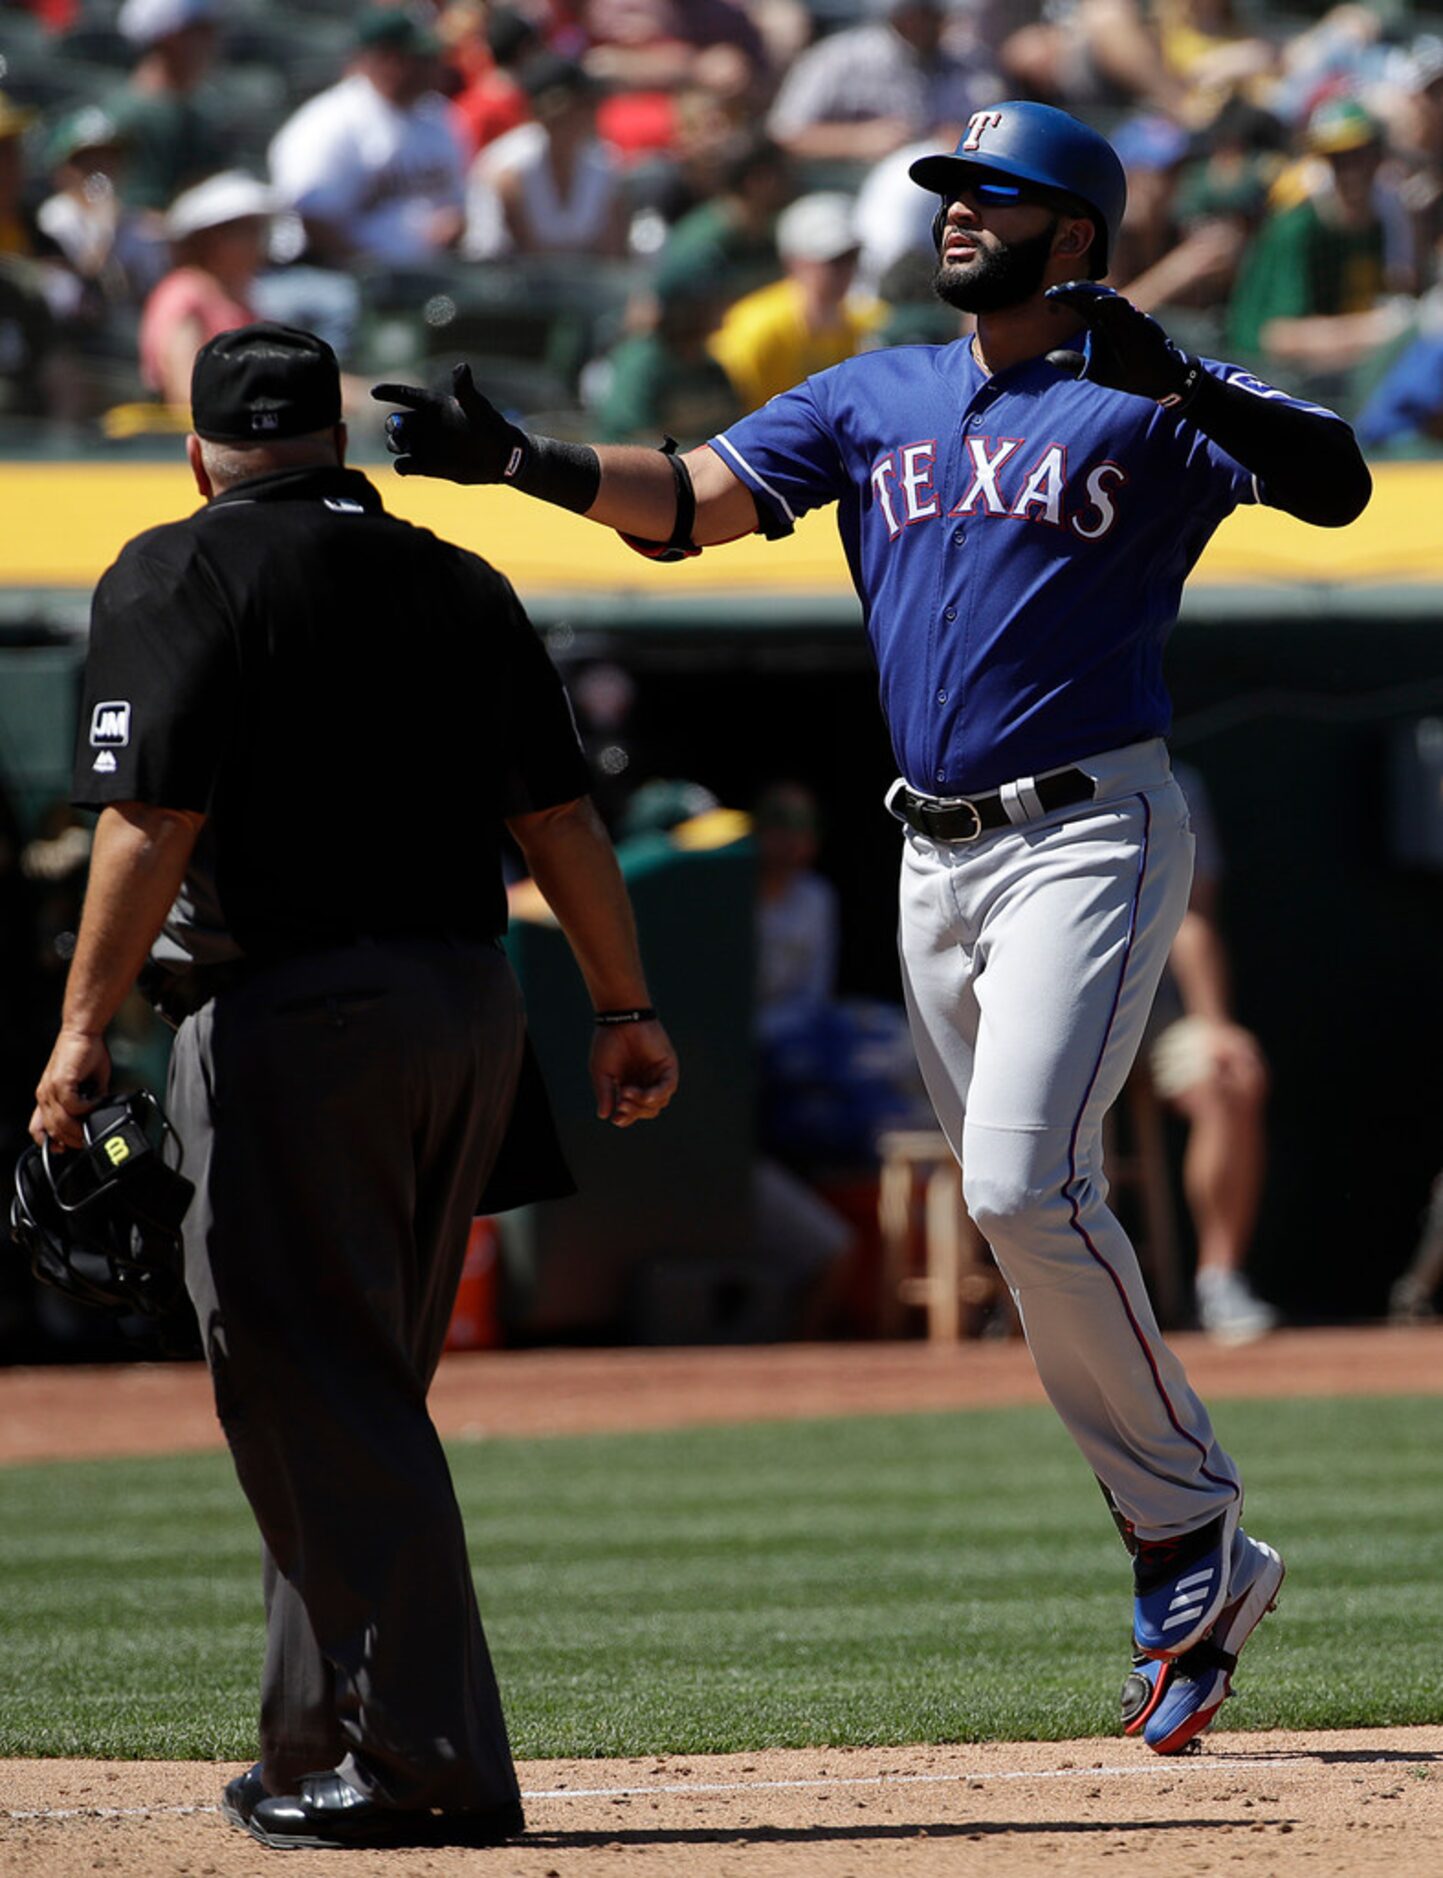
pixel 966 818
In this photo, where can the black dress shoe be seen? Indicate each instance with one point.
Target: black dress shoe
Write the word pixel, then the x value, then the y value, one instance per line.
pixel 328 1813
pixel 239 1800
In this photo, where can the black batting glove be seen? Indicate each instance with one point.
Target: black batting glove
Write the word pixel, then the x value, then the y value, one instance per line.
pixel 1127 349
pixel 458 435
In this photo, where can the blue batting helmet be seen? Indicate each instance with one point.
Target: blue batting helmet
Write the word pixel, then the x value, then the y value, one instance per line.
pixel 1037 144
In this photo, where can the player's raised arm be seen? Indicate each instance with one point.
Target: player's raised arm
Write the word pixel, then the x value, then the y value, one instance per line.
pixel 667 506
pixel 1306 460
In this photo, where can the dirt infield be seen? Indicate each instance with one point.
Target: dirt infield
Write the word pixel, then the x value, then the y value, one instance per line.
pixel 149 1408
pixel 1360 1802
pixel 1275 1804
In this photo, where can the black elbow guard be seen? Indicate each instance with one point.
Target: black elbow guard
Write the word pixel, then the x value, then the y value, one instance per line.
pixel 679 545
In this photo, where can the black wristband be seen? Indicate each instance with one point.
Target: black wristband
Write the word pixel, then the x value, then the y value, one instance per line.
pixel 643 1014
pixel 1193 376
pixel 568 474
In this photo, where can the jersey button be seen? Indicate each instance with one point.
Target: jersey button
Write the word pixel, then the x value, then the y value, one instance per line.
pixel 959 535
pixel 941 697
pixel 941 775
pixel 951 613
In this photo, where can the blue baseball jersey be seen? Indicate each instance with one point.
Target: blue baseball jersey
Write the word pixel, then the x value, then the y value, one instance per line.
pixel 1019 543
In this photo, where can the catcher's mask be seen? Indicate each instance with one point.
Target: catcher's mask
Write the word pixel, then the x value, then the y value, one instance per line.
pixel 102 1222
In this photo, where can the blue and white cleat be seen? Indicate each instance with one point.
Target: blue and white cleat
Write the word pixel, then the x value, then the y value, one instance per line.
pixel 1181 1586
pixel 1171 1700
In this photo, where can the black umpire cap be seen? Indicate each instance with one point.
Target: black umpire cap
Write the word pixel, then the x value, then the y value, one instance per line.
pixel 256 383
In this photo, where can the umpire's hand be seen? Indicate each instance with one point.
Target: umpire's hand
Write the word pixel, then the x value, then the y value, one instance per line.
pixel 633 1071
pixel 71 1084
pixel 1126 348
pixel 458 434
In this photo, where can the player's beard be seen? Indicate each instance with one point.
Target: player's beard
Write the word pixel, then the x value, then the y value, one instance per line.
pixel 996 277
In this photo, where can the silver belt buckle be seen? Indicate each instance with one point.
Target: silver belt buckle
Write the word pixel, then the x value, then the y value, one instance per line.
pixel 948 804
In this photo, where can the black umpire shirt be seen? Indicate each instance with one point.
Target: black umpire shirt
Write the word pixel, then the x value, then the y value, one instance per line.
pixel 353 703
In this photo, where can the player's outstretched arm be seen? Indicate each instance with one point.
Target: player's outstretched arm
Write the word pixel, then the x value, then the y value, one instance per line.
pixel 461 437
pixel 1306 460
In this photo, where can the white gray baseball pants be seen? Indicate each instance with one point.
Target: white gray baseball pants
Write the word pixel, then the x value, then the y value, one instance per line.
pixel 1030 958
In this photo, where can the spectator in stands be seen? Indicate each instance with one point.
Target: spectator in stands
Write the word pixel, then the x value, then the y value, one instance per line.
pixel 173 135
pixel 1404 413
pixel 1152 149
pixel 372 165
pixel 108 244
pixel 1411 104
pixel 1213 1073
pixel 563 24
pixel 864 91
pixel 675 45
pixel 1214 56
pixel 798 926
pixel 17 227
pixel 217 233
pixel 33 381
pixel 911 314
pixel 893 217
pixel 798 942
pixel 1235 163
pixel 1311 291
pixel 493 99
pixel 1182 238
pixel 807 320
pixel 1412 1299
pixel 664 381
pixel 550 186
pixel 1081 54
pixel 1341 55
pixel 728 242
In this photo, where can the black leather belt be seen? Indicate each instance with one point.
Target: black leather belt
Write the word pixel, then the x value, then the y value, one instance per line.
pixel 965 818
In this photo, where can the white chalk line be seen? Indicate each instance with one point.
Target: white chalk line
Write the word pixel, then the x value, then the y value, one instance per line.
pixel 1144 1771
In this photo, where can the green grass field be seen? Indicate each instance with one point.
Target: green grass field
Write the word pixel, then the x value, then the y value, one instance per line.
pixel 870 1580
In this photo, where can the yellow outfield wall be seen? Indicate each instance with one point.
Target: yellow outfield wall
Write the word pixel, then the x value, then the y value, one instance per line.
pixel 65 522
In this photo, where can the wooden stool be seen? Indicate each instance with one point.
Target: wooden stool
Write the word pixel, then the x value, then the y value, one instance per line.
pixel 957 1269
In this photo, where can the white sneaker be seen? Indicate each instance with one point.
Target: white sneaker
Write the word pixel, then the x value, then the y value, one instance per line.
pixel 1228 1309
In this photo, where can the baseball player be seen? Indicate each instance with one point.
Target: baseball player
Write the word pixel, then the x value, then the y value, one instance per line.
pixel 1019 511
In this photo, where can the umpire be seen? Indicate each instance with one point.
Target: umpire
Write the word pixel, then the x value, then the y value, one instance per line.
pixel 305 724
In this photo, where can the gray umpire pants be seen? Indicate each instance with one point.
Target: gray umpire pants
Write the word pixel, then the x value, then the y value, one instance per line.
pixel 339 1114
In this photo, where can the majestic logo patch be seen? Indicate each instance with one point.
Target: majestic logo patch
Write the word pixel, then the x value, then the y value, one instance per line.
pixel 343 505
pixel 110 725
pixel 104 764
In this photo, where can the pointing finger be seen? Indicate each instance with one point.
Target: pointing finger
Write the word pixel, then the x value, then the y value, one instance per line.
pixel 413 395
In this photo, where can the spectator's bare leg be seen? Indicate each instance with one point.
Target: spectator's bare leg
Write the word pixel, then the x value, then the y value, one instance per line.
pixel 1223 1165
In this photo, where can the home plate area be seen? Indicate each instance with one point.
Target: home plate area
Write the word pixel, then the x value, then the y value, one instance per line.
pixel 1355 1801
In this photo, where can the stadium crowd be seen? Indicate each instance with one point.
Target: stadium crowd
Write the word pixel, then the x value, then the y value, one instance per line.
pixel 642 216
